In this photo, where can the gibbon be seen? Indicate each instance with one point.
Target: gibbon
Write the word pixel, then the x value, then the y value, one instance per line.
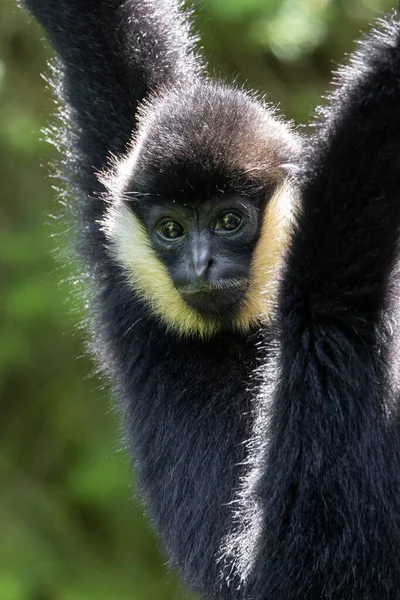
pixel 239 284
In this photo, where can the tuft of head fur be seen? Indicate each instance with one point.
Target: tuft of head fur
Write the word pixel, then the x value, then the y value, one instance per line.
pixel 210 132
pixel 192 143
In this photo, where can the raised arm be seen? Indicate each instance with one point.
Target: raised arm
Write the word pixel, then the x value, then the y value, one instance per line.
pixel 112 54
pixel 346 239
pixel 320 512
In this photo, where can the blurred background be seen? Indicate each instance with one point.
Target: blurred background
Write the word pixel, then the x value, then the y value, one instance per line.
pixel 70 527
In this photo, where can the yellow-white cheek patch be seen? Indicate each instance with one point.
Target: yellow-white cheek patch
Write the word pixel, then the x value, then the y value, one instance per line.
pixel 259 303
pixel 131 249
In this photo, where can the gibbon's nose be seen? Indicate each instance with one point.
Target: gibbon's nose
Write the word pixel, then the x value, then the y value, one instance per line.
pixel 201 260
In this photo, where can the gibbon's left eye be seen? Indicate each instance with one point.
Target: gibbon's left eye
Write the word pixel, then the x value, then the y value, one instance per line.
pixel 171 230
pixel 228 222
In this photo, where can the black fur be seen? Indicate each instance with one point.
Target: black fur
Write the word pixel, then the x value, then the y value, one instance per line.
pixel 325 477
pixel 185 402
pixel 321 493
pixel 111 55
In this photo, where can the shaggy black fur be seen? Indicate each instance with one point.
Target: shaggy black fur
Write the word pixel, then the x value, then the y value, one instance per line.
pixel 325 475
pixel 111 55
pixel 186 402
pixel 319 513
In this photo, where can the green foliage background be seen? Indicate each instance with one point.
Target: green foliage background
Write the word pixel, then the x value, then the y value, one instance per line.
pixel 70 528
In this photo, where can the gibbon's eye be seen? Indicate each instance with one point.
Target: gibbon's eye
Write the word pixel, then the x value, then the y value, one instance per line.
pixel 228 222
pixel 171 230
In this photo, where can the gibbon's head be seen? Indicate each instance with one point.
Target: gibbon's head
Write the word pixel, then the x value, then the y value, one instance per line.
pixel 199 208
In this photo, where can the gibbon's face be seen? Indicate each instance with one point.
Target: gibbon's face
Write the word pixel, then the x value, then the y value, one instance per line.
pixel 207 249
pixel 202 267
pixel 200 209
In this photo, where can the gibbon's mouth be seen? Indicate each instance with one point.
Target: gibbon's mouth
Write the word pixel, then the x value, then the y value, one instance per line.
pixel 216 299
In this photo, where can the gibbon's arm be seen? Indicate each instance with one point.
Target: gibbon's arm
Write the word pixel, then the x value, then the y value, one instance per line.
pixel 112 54
pixel 322 499
pixel 345 243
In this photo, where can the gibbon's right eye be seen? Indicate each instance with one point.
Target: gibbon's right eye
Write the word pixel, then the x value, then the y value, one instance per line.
pixel 171 230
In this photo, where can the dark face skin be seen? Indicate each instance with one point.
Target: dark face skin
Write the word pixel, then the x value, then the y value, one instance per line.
pixel 207 248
